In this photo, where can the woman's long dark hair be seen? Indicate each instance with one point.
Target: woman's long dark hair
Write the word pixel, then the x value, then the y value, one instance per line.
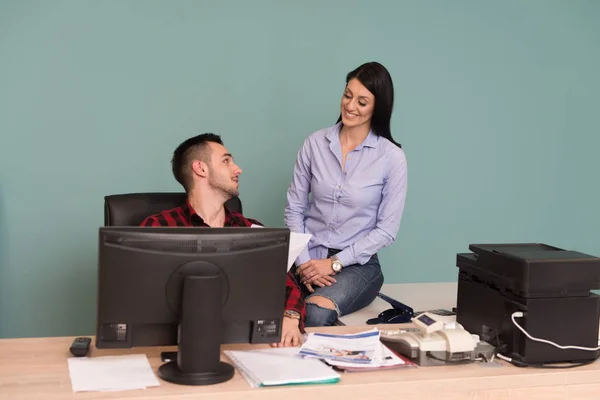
pixel 378 81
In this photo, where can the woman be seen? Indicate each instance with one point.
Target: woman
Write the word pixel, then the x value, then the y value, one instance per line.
pixel 348 191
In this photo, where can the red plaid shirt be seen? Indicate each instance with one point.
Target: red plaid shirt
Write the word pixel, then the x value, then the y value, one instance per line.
pixel 187 216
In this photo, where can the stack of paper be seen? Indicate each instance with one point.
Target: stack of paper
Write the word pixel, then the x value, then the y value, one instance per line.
pixel 383 358
pixel 356 348
pixel 356 352
pixel 111 373
pixel 282 366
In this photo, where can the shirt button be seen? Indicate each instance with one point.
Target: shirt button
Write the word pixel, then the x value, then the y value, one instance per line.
pixel 339 186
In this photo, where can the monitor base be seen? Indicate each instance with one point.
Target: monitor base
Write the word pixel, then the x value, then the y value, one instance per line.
pixel 170 372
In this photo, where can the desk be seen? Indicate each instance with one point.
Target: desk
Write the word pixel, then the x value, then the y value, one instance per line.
pixel 419 296
pixel 37 369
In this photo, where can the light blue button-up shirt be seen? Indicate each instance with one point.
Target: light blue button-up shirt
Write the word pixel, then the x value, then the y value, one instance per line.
pixel 357 210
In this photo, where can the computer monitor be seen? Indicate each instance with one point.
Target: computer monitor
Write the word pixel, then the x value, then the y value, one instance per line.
pixel 192 287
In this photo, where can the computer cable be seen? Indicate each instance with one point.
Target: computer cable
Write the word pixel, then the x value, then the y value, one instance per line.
pixel 519 314
pixel 523 364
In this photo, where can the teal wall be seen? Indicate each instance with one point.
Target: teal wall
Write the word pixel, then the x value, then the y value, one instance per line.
pixel 497 108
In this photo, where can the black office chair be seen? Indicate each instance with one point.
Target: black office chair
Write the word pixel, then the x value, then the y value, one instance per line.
pixel 131 209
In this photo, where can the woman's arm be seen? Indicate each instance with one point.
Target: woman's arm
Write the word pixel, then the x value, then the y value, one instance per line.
pixel 297 197
pixel 389 215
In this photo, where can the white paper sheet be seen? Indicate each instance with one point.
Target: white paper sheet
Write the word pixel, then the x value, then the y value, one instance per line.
pixel 298 242
pixel 111 373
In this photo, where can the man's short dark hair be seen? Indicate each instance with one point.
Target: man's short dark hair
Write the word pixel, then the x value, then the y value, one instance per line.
pixel 195 148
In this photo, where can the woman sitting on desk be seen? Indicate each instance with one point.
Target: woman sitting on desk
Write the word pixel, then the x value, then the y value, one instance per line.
pixel 355 174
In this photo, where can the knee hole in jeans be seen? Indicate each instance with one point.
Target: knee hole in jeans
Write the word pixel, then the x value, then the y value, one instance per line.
pixel 319 316
pixel 322 302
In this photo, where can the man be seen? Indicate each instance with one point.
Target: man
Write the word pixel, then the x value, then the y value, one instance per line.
pixel 210 177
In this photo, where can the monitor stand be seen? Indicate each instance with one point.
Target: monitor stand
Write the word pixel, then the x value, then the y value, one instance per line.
pixel 200 332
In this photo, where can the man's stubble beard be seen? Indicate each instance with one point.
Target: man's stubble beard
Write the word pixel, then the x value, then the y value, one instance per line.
pixel 226 192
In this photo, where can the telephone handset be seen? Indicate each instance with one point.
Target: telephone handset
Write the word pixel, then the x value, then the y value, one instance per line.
pixel 399 314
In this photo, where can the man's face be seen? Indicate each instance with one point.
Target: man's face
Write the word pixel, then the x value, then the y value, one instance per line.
pixel 223 172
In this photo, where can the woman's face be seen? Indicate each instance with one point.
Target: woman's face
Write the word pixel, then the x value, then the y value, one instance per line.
pixel 357 105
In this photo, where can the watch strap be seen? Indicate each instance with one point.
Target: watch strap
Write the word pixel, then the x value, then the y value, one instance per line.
pixel 291 314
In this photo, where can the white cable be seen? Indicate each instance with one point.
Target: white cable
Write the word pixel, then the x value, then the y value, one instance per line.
pixel 519 314
pixel 500 356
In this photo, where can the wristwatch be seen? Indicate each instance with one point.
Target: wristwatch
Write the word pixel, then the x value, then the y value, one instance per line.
pixel 291 314
pixel 336 265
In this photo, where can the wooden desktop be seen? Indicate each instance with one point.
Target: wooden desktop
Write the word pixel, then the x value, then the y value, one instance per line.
pixel 37 368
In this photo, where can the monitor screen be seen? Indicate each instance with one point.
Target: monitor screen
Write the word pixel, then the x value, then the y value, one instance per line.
pixel 190 285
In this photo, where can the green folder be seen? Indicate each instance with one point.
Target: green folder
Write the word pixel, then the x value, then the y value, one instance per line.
pixel 277 367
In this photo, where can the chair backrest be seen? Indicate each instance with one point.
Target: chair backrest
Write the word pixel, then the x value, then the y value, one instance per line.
pixel 132 208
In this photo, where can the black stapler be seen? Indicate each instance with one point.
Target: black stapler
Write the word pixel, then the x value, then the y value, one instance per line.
pixel 399 314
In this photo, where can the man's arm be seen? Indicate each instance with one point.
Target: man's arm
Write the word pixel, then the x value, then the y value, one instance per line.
pixel 294 301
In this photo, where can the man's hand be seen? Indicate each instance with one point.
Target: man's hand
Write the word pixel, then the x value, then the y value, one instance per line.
pixel 316 272
pixel 290 333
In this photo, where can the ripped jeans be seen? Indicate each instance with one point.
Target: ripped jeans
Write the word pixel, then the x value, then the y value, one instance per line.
pixel 356 287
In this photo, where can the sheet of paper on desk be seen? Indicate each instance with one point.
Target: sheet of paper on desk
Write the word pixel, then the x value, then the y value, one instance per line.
pixel 298 242
pixel 111 373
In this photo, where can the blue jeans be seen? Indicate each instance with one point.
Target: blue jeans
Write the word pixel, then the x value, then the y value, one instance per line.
pixel 356 287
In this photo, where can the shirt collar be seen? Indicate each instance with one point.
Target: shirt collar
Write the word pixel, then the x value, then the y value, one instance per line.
pixel 192 215
pixel 333 135
pixel 197 220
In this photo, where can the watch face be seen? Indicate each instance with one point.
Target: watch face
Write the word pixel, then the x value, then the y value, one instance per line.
pixel 337 267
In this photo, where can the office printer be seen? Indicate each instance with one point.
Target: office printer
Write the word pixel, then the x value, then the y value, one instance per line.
pixel 549 286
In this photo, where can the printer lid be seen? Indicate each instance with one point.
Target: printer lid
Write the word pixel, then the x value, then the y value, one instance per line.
pixel 532 269
pixel 528 252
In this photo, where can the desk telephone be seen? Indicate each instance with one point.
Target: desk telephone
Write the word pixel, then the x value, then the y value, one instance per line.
pixel 401 313
pixel 398 314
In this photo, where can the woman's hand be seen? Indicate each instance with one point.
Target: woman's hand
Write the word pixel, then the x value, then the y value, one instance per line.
pixel 316 272
pixel 290 333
